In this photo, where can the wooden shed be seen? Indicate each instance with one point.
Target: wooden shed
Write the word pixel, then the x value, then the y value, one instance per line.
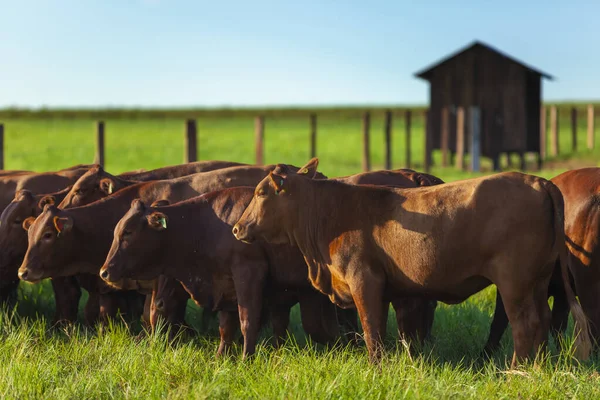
pixel 507 92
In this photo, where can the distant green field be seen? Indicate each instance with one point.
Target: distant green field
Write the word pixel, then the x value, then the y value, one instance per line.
pixel 39 362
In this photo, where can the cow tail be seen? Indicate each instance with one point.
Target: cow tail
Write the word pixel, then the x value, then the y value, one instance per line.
pixel 583 342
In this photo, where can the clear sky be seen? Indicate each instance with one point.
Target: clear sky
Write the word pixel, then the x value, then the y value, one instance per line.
pixel 218 52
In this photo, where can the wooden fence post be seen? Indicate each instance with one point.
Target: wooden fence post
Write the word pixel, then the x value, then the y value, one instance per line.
pixel 475 138
pixel 460 138
pixel 259 136
pixel 313 135
pixel 543 134
pixel 191 141
pixel 574 128
pixel 407 121
pixel 1 146
pixel 99 157
pixel 554 149
pixel 427 128
pixel 590 126
pixel 388 139
pixel 445 135
pixel 366 161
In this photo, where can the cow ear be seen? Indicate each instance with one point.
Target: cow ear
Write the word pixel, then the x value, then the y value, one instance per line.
pixel 107 185
pixel 27 222
pixel 310 168
pixel 278 182
pixel 63 225
pixel 160 203
pixel 24 194
pixel 46 200
pixel 158 221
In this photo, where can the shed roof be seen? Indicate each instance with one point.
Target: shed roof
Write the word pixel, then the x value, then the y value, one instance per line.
pixel 426 73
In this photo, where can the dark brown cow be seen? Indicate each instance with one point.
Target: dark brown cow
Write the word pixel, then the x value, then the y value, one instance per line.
pixel 84 249
pixel 367 244
pixel 175 171
pixel 191 241
pixel 581 193
pixel 97 183
pixel 36 182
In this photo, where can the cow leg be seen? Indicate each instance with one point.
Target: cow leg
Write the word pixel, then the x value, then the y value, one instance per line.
pixel 280 319
pixel 249 280
pixel 66 296
pixel 499 324
pixel 227 327
pixel 91 311
pixel 540 343
pixel 146 316
pixel 414 317
pixel 348 321
pixel 367 292
pixel 109 306
pixel 591 306
pixel 527 318
pixel 319 318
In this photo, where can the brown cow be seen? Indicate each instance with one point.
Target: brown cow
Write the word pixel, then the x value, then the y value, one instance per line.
pixel 36 182
pixel 85 252
pixel 97 183
pixel 175 171
pixel 367 244
pixel 414 316
pixel 191 241
pixel 581 193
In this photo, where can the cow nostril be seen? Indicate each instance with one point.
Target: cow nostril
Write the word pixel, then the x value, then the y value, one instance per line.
pixel 160 304
pixel 235 230
pixel 104 274
pixel 23 275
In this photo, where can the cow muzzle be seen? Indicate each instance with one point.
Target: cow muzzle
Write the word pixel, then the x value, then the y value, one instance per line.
pixel 241 233
pixel 27 275
pixel 108 274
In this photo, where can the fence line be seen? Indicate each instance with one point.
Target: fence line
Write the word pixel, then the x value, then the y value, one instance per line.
pixel 468 122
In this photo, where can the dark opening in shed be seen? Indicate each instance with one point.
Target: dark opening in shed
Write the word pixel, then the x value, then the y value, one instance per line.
pixel 507 91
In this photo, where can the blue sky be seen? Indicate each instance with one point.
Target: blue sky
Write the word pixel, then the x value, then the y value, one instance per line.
pixel 215 53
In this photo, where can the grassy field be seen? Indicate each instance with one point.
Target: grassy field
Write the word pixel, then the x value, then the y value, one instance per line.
pixel 37 361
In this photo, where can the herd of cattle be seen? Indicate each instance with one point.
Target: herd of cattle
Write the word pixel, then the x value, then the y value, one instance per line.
pixel 250 242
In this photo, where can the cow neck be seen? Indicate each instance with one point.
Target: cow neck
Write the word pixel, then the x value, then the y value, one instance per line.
pixel 94 225
pixel 186 240
pixel 327 209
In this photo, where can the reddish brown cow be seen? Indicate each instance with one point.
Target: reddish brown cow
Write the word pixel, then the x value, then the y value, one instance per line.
pixel 414 316
pixel 84 251
pixel 97 183
pixel 444 242
pixel 175 171
pixel 581 193
pixel 191 241
pixel 36 182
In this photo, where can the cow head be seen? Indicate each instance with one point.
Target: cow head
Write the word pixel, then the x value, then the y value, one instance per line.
pixel 136 239
pixel 13 239
pixel 50 239
pixel 91 186
pixel 271 211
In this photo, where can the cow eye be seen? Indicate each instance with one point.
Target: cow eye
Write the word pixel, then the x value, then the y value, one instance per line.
pixel 126 233
pixel 260 193
pixel 47 236
pixel 17 221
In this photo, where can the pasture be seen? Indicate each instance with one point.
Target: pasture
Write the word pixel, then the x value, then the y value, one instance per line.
pixel 111 362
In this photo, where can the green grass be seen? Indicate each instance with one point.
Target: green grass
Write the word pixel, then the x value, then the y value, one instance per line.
pixel 39 362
